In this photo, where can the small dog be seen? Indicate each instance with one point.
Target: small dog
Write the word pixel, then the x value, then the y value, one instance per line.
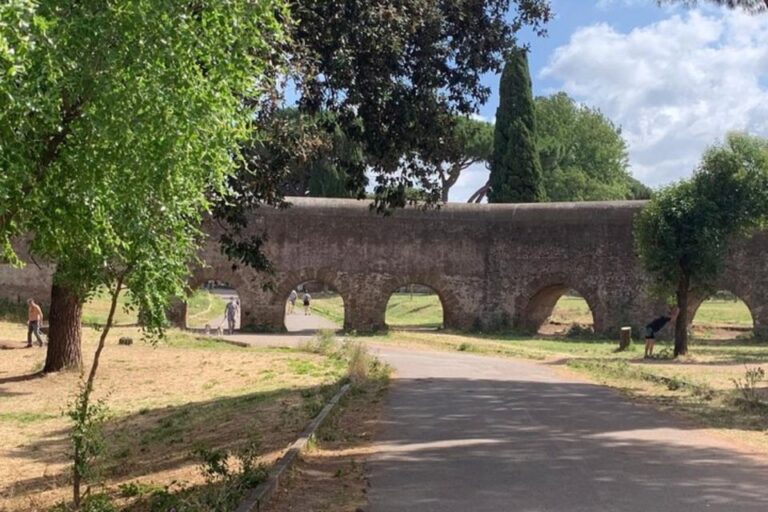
pixel 207 329
pixel 219 331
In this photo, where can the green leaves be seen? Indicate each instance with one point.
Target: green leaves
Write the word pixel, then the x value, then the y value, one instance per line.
pixel 127 118
pixel 583 155
pixel 686 228
pixel 515 167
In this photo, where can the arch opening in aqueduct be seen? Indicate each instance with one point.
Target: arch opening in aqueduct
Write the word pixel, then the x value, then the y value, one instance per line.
pixel 493 266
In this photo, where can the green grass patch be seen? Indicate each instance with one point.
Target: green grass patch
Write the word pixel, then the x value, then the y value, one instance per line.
pixel 25 418
pixel 414 310
pixel 203 307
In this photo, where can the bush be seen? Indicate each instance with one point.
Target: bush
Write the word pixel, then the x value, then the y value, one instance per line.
pixel 359 362
pixel 748 387
pixel 579 331
pixel 323 343
pixel 11 311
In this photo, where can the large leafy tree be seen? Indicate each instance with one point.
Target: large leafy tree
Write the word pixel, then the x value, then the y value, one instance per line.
pixel 470 142
pixel 117 122
pixel 583 155
pixel 683 233
pixel 516 175
pixel 393 75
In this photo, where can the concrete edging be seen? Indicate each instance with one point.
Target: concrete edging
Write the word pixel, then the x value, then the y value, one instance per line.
pixel 257 499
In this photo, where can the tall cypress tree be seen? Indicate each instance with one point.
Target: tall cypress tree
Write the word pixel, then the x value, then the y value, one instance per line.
pixel 515 167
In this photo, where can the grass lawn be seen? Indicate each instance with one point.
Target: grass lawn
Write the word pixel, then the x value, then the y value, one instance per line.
pixel 425 311
pixel 403 310
pixel 165 402
pixel 414 310
pixel 202 307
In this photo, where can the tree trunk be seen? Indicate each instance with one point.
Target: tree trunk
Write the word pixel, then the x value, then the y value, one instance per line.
pixel 681 325
pixel 64 331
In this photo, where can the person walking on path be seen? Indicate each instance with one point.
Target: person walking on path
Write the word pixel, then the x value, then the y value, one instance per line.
pixel 307 299
pixel 292 301
pixel 34 322
pixel 230 312
pixel 654 327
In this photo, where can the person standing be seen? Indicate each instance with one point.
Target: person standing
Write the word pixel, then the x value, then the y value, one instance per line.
pixel 654 327
pixel 292 301
pixel 34 322
pixel 307 299
pixel 230 312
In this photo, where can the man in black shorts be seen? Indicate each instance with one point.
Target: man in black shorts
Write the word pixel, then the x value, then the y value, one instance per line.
pixel 654 327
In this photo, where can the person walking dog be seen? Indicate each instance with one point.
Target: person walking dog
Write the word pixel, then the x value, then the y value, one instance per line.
pixel 34 322
pixel 230 312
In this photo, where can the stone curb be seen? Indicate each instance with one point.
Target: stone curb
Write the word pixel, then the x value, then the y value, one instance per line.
pixel 257 499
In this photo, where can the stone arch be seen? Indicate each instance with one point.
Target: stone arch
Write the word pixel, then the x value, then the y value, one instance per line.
pixel 698 299
pixel 448 300
pixel 200 276
pixel 293 279
pixel 538 301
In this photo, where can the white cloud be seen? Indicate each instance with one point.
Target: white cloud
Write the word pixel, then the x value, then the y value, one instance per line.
pixel 675 86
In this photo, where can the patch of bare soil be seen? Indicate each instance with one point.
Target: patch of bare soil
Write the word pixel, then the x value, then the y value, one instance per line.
pixel 331 476
pixel 164 402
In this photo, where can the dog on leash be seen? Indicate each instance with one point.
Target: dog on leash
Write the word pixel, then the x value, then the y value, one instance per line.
pixel 219 331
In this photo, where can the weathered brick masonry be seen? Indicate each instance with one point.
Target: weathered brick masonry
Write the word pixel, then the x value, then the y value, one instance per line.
pixel 492 265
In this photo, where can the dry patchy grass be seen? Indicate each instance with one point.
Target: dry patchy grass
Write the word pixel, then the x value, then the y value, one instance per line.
pixel 330 477
pixel 164 401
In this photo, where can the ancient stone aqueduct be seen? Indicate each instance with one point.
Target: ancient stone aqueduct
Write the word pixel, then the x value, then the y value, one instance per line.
pixel 493 266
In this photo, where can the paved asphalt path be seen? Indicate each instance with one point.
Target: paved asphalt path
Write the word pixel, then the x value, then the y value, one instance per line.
pixel 464 433
pixel 471 433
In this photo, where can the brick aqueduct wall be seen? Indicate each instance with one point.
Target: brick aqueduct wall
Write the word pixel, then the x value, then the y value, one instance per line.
pixel 493 266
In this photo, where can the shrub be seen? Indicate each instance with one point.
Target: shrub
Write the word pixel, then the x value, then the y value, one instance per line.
pixel 323 343
pixel 358 362
pixel 748 387
pixel 580 331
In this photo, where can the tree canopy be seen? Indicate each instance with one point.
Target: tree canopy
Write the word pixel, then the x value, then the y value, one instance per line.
pixel 582 153
pixel 515 167
pixel 470 142
pixel 117 121
pixel 683 233
pixel 395 74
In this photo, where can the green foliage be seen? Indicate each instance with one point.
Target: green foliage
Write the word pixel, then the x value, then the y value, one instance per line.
pixel 110 151
pixel 323 343
pixel 97 502
pixel 684 232
pixel 87 436
pixel 394 75
pixel 12 311
pixel 686 228
pixel 516 174
pixel 228 474
pixel 748 387
pixel 583 155
pixel 470 142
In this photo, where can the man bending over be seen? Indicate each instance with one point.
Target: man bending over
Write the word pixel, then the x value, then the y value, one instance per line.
pixel 654 327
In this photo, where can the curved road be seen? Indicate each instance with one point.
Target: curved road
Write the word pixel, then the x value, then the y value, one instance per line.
pixel 464 433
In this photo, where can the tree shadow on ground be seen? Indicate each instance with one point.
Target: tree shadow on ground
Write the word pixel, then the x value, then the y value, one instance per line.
pixel 161 439
pixel 488 445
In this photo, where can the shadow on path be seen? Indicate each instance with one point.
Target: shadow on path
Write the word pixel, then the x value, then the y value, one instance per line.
pixel 526 440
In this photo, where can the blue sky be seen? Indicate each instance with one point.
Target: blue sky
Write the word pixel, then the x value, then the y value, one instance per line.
pixel 569 16
pixel 676 80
